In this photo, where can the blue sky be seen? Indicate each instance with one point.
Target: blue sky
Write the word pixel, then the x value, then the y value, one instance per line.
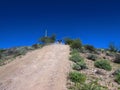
pixel 95 22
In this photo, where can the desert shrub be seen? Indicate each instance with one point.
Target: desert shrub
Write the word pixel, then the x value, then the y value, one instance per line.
pixel 99 51
pixel 7 54
pixel 116 72
pixel 77 77
pixel 2 62
pixel 36 46
pixel 79 65
pixel 90 48
pixel 45 40
pixel 117 78
pixel 48 40
pixel 102 50
pixel 76 58
pixel 68 41
pixel 92 57
pixel 108 53
pixel 74 51
pixel 112 47
pixel 82 50
pixel 93 85
pixel 3 56
pixel 117 58
pixel 53 38
pixel 117 75
pixel 103 64
pixel 17 51
pixel 76 67
pixel 118 88
pixel 21 51
pixel 0 56
pixel 76 44
pixel 14 51
pixel 1 51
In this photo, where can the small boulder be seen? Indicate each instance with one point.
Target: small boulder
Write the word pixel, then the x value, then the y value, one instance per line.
pixel 100 72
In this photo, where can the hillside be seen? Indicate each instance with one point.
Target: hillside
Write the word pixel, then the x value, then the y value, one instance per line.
pixel 94 70
pixel 42 69
pixel 60 67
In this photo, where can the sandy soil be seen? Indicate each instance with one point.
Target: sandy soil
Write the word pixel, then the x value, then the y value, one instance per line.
pixel 42 69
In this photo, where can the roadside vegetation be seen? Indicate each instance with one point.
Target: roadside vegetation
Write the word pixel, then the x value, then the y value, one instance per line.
pixel 103 64
pixel 48 39
pixel 79 62
pixel 7 55
pixel 91 66
pixel 77 77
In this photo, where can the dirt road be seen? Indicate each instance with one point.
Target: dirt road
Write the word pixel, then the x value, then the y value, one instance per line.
pixel 42 69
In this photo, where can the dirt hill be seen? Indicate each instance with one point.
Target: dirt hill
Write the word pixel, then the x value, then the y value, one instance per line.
pixel 42 69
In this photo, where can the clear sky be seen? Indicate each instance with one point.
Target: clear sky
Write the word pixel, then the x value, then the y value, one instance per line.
pixel 95 22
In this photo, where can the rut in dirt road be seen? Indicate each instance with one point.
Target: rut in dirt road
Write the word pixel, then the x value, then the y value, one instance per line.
pixel 42 69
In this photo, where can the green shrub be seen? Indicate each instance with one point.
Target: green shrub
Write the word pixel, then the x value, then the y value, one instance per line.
pixel 77 77
pixel 3 56
pixel 117 58
pixel 36 46
pixel 90 48
pixel 74 51
pixel 108 53
pixel 112 47
pixel 76 58
pixel 117 78
pixel 103 64
pixel 68 41
pixel 93 85
pixel 2 62
pixel 118 88
pixel 1 51
pixel 92 57
pixel 76 44
pixel 20 51
pixel 11 53
pixel 7 54
pixel 80 65
pixel 14 51
pixel 117 75
pixel 53 38
pixel 47 40
pixel 116 72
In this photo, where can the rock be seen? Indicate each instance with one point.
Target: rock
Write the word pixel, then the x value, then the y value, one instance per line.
pixel 100 72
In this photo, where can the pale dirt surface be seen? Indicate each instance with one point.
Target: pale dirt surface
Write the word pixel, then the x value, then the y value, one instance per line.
pixel 42 69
